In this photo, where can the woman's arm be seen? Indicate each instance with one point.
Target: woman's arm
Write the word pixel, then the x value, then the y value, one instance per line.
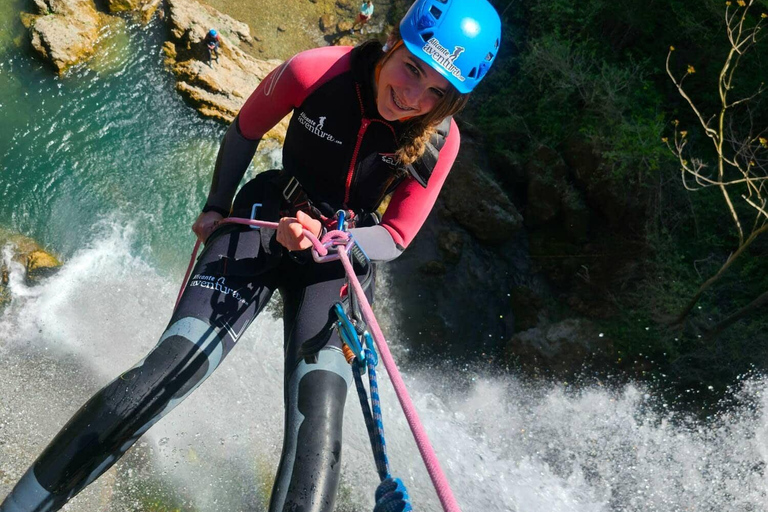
pixel 284 89
pixel 409 207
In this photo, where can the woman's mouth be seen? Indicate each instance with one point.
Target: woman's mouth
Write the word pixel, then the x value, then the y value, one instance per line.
pixel 399 104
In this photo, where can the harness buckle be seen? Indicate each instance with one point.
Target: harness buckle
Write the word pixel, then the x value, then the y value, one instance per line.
pixel 294 193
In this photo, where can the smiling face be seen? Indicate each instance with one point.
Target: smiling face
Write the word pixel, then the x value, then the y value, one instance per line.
pixel 407 87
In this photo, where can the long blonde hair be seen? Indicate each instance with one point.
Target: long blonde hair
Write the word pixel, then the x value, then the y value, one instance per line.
pixel 420 129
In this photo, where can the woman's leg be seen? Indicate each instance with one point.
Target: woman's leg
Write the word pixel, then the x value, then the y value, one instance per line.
pixel 216 307
pixel 315 392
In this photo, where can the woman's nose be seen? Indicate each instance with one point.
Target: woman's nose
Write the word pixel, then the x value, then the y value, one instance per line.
pixel 412 94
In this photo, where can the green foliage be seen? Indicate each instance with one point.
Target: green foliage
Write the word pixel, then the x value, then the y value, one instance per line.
pixel 685 360
pixel 595 69
pixel 562 78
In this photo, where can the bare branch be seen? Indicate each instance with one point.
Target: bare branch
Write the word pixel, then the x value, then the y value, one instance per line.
pixel 759 92
pixel 760 208
pixel 712 133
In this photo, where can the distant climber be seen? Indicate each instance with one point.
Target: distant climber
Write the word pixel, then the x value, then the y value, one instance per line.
pixel 212 43
pixel 366 11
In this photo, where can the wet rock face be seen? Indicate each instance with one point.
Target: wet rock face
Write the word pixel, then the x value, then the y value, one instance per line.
pixel 561 348
pixel 476 201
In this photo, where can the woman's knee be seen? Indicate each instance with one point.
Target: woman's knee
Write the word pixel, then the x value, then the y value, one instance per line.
pixel 315 397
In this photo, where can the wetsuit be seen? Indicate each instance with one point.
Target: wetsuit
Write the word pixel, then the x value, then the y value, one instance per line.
pixel 212 43
pixel 341 151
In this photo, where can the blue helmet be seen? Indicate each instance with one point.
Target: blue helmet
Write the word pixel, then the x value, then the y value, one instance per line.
pixel 458 38
pixel 212 32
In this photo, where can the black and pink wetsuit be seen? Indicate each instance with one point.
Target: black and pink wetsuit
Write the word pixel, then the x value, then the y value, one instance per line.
pixel 342 152
pixel 338 146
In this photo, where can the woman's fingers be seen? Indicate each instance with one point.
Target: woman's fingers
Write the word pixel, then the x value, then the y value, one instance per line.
pixel 290 231
pixel 205 224
pixel 297 231
pixel 312 225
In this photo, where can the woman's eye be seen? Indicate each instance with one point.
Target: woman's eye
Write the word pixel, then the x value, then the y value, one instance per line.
pixel 438 92
pixel 413 69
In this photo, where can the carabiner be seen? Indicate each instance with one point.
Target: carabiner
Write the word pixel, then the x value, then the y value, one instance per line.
pixel 341 220
pixel 349 335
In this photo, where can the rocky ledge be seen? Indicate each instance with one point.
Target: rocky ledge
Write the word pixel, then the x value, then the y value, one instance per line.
pixel 68 32
pixel 65 32
pixel 217 89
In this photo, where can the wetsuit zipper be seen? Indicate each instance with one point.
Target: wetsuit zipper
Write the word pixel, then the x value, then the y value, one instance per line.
pixel 350 174
pixel 360 134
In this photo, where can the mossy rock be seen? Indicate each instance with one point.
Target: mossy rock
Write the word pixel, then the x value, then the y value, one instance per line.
pixel 37 262
pixel 40 264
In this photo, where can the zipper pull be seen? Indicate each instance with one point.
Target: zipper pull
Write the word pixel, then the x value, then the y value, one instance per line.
pixel 364 127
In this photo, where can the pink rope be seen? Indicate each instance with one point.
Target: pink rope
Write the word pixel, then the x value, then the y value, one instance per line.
pixel 318 246
pixel 419 433
pixel 189 270
pixel 409 410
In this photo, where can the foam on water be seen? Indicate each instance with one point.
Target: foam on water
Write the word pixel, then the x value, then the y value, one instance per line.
pixel 100 143
pixel 504 444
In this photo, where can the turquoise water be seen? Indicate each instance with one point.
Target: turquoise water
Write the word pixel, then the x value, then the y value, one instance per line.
pixel 108 168
pixel 110 140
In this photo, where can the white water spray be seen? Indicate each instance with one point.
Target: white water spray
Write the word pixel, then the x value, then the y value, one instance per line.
pixel 504 445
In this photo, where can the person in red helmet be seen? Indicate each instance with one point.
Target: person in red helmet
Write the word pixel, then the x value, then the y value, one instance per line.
pixel 367 123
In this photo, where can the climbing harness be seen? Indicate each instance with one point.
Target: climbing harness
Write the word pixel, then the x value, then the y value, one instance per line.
pixel 360 333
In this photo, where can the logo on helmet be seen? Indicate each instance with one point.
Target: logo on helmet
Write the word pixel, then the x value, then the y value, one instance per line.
pixel 444 57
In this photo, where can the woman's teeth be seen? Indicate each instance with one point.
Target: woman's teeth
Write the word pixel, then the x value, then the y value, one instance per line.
pixel 399 105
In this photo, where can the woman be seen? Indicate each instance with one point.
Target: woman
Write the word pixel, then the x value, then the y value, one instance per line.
pixel 366 123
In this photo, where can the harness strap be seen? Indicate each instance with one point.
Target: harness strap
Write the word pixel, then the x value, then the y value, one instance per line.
pixel 295 198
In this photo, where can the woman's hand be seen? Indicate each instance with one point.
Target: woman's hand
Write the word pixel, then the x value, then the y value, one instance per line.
pixel 290 231
pixel 205 224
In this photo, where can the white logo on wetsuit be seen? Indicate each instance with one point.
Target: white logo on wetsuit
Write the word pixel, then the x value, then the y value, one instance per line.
pixel 218 285
pixel 316 127
pixel 389 158
pixel 444 57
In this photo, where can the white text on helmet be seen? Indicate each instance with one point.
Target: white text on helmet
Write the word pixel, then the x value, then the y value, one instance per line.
pixel 443 57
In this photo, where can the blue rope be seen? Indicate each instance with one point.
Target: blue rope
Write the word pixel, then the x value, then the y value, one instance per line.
pixel 378 420
pixel 373 420
pixel 391 496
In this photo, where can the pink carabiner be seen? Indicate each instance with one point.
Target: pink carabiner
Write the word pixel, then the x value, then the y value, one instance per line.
pixel 330 241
